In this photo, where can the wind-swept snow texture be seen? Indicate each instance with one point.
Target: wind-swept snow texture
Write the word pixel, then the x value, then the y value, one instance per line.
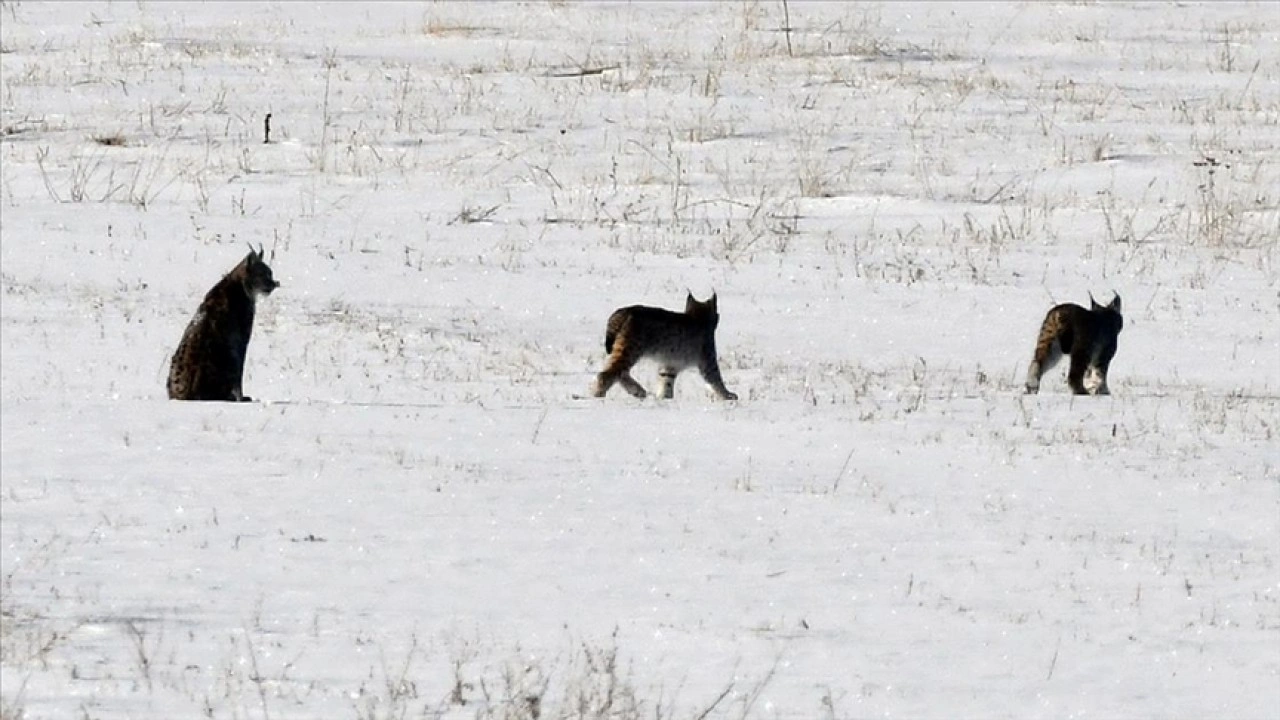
pixel 424 514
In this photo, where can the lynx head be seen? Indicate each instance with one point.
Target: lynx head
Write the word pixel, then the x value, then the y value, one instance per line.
pixel 1110 312
pixel 705 311
pixel 256 274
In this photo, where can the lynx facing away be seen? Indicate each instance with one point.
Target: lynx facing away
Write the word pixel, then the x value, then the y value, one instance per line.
pixel 675 340
pixel 209 362
pixel 1087 336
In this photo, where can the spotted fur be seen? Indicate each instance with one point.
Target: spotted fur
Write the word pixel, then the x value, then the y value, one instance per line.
pixel 209 361
pixel 675 340
pixel 1088 337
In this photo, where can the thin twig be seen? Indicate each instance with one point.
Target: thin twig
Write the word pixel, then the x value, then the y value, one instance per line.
pixel 139 638
pixel 786 29
pixel 1248 83
pixel 1054 662
pixel 759 688
pixel 256 677
pixel 836 485
pixel 537 428
pixel 714 703
pixel 582 72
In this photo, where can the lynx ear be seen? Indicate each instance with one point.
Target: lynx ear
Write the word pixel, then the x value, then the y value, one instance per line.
pixel 1115 302
pixel 254 254
pixel 1093 304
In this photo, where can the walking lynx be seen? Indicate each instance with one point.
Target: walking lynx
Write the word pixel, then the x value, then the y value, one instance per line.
pixel 676 340
pixel 209 362
pixel 1087 336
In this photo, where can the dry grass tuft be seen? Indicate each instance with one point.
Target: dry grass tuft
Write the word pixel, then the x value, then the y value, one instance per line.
pixel 112 140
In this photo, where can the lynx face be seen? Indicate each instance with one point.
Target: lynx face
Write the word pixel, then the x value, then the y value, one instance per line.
pixel 675 340
pixel 258 279
pixel 1089 337
pixel 209 361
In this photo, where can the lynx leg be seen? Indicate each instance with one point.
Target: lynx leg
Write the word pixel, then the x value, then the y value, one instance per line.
pixel 1104 364
pixel 668 375
pixel 1046 356
pixel 219 391
pixel 604 381
pixel 609 375
pixel 1075 374
pixel 711 373
pixel 1101 388
pixel 237 384
pixel 1053 341
pixel 630 385
pixel 617 368
pixel 227 389
pixel 204 385
pixel 237 392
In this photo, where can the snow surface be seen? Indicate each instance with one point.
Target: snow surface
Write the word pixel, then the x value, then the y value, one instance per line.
pixel 424 517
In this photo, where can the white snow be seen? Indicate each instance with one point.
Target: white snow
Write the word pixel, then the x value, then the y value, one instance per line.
pixel 424 517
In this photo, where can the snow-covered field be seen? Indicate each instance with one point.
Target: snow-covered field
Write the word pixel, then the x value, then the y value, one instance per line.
pixel 422 516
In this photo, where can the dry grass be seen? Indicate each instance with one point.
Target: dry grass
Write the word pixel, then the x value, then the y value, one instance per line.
pixel 111 140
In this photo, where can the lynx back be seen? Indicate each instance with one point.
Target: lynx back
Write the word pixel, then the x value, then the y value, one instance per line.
pixel 1088 337
pixel 209 361
pixel 675 340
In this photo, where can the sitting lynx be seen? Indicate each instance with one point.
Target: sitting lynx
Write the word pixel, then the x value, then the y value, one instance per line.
pixel 209 362
pixel 676 340
pixel 1088 336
